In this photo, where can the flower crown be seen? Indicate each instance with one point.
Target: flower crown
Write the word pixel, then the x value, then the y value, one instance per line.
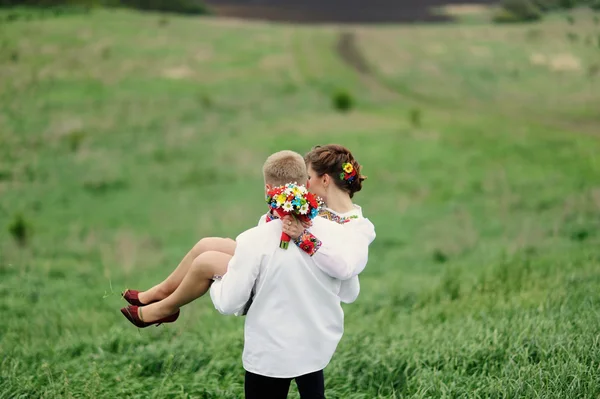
pixel 349 173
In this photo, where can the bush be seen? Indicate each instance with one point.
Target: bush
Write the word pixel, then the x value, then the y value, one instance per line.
pixel 49 3
pixel 34 10
pixel 546 5
pixel 415 117
pixel 569 3
pixel 518 11
pixel 174 6
pixel 503 16
pixel 343 101
pixel 74 139
pixel 20 230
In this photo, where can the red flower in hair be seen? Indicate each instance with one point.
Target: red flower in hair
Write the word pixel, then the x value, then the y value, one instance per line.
pixel 349 172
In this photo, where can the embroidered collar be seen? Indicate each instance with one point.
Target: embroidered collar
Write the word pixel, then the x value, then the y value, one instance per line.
pixel 330 215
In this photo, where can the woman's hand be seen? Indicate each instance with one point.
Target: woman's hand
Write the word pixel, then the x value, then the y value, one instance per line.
pixel 306 224
pixel 293 227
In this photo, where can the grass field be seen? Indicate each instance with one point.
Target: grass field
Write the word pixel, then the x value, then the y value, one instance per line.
pixel 125 138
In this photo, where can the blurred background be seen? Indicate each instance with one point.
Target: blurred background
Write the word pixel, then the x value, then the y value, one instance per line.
pixel 131 129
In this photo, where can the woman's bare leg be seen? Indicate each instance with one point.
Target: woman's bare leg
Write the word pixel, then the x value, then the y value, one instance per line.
pixel 195 284
pixel 170 284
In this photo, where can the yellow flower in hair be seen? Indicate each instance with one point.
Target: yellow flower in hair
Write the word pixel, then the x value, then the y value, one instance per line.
pixel 348 168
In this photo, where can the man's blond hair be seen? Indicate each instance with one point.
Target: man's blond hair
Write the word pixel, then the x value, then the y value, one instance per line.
pixel 285 167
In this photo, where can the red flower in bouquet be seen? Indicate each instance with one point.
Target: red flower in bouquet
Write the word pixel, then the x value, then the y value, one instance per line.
pixel 292 199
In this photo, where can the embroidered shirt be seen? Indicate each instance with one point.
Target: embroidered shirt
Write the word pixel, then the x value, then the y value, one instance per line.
pixel 296 320
pixel 344 252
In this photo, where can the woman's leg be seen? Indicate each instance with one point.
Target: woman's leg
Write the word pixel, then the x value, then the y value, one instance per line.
pixel 170 284
pixel 195 284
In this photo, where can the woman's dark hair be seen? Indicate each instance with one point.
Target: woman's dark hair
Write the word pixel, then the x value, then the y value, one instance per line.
pixel 330 159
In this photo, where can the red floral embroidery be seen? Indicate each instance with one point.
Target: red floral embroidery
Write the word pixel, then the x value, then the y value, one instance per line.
pixel 307 246
pixel 308 243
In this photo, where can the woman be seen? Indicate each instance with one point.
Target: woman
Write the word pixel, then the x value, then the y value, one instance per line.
pixel 334 175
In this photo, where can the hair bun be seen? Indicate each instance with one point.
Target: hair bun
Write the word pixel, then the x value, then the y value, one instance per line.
pixel 339 163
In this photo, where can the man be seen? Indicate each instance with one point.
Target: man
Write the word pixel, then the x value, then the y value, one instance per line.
pixel 296 321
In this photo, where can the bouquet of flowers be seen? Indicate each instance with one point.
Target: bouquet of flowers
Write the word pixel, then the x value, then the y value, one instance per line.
pixel 293 199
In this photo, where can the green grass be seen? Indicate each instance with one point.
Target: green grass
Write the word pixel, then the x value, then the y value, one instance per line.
pixel 125 138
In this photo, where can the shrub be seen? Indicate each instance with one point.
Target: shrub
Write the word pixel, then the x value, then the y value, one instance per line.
pixel 569 3
pixel 517 11
pixel 504 16
pixel 415 117
pixel 546 5
pixel 59 4
pixel 5 175
pixel 31 10
pixel 74 139
pixel 205 100
pixel 20 230
pixel 174 6
pixel 343 101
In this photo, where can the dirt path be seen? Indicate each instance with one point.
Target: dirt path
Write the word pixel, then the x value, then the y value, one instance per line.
pixel 349 51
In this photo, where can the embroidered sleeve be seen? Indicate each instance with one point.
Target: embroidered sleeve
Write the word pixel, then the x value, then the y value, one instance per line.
pixel 308 243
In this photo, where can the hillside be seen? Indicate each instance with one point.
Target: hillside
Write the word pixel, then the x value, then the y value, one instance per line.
pixel 126 137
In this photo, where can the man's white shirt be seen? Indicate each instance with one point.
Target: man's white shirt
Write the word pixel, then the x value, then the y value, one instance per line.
pixel 296 321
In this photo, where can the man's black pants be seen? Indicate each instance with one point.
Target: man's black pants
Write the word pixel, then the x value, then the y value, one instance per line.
pixel 310 386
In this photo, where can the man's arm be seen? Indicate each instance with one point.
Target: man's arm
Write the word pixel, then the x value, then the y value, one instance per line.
pixel 231 293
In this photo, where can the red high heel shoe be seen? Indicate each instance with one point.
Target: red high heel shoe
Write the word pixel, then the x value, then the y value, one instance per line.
pixel 132 296
pixel 131 314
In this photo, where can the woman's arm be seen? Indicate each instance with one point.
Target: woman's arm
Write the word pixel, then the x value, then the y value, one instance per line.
pixel 349 290
pixel 341 251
